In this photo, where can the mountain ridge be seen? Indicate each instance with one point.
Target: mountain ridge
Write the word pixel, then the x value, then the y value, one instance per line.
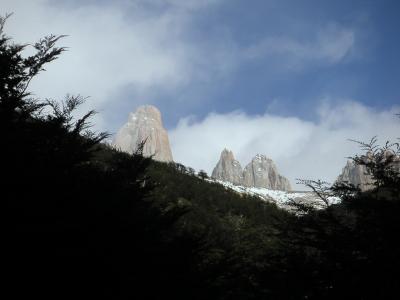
pixel 261 172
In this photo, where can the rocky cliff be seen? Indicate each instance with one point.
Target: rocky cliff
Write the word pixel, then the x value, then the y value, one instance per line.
pixel 145 124
pixel 357 175
pixel 261 172
pixel 228 169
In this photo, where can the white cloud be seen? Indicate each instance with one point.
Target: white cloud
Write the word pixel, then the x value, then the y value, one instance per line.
pixel 146 48
pixel 301 149
pixel 115 46
pixel 147 45
pixel 106 50
pixel 330 45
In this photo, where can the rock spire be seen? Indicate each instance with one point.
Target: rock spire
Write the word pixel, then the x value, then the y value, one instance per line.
pixel 145 124
pixel 358 175
pixel 261 172
pixel 228 169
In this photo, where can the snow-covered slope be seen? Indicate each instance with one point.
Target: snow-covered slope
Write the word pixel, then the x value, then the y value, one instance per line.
pixel 281 198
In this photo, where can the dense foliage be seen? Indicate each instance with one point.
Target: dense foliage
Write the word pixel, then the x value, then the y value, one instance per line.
pixel 85 220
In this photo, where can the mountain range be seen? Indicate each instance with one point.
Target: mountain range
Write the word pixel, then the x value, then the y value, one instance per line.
pixel 261 172
pixel 145 125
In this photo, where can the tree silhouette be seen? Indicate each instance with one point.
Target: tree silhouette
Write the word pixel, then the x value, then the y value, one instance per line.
pixel 77 214
pixel 202 174
pixel 351 247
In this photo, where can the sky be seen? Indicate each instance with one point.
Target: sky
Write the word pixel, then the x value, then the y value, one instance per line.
pixel 294 80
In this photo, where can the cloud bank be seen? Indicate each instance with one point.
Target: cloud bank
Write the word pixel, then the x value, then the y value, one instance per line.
pixel 138 51
pixel 301 149
pixel 138 46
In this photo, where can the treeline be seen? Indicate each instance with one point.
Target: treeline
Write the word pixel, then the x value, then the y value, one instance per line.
pixel 85 220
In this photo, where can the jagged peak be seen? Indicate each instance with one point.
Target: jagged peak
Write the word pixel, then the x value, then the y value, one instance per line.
pixel 261 157
pixel 145 124
pixel 227 168
pixel 260 172
pixel 227 154
pixel 225 150
pixel 148 107
pixel 146 112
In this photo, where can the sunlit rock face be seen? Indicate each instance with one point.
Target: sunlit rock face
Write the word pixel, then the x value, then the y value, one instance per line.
pixel 261 172
pixel 145 124
pixel 228 169
pixel 357 175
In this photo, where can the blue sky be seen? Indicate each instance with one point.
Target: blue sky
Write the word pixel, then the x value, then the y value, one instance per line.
pixel 317 72
pixel 368 71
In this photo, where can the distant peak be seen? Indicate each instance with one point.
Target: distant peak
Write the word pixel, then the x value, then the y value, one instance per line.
pixel 148 107
pixel 260 157
pixel 146 112
pixel 145 124
pixel 226 151
pixel 227 168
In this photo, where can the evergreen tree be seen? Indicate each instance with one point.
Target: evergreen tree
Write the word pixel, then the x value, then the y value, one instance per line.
pixel 202 174
pixel 350 249
pixel 78 220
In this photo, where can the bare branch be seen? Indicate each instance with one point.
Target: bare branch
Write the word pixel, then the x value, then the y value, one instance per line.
pixel 3 21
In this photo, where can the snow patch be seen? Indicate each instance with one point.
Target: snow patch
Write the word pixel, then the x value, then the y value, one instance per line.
pixel 280 198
